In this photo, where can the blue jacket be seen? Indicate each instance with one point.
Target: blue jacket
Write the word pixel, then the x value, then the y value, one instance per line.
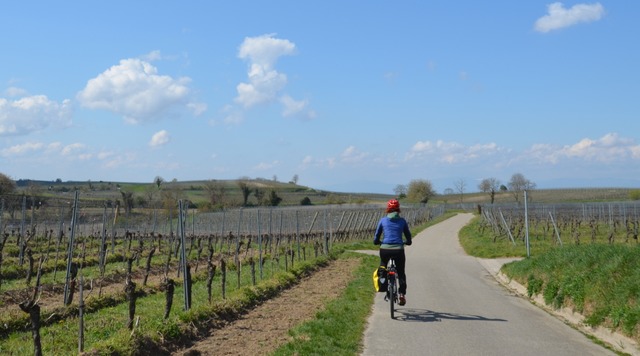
pixel 392 229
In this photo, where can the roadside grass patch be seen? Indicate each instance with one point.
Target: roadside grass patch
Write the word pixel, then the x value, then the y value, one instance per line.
pixel 600 281
pixel 339 328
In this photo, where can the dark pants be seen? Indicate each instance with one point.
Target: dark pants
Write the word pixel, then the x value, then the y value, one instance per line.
pixel 398 256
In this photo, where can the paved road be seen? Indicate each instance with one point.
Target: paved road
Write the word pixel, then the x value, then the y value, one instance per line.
pixel 455 307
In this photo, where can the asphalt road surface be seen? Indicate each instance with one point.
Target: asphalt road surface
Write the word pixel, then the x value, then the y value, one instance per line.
pixel 455 307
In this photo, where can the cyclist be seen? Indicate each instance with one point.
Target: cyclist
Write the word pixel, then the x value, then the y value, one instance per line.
pixel 391 228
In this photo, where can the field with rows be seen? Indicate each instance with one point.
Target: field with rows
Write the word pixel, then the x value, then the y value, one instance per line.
pixel 77 275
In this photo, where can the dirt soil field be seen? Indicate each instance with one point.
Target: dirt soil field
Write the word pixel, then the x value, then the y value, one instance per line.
pixel 265 328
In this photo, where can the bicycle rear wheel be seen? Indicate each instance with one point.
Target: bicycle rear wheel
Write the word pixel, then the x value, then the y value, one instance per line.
pixel 392 295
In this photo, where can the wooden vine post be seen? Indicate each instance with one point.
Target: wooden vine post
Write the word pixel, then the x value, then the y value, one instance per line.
pixel 183 256
pixel 211 272
pixel 68 288
pixel 130 291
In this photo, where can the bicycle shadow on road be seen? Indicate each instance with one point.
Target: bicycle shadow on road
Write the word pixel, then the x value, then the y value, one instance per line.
pixel 427 316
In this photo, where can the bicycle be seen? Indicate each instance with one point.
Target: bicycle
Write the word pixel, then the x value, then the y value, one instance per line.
pixel 392 286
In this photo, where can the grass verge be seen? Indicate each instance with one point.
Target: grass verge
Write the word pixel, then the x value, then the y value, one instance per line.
pixel 338 329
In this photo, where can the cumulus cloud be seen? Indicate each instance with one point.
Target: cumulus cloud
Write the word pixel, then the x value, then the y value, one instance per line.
pixel 21 149
pixel 451 152
pixel 32 113
pixel 265 82
pixel 296 108
pixel 559 17
pixel 160 138
pixel 608 149
pixel 352 155
pixel 135 90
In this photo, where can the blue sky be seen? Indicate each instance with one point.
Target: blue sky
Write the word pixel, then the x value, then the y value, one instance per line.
pixel 353 96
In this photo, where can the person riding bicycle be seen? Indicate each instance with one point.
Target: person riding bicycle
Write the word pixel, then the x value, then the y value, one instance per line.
pixel 391 228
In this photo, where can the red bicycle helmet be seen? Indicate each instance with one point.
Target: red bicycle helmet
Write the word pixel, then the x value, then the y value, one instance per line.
pixel 393 205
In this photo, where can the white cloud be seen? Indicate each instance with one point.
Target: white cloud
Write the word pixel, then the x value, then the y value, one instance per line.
pixel 135 90
pixel 352 155
pixel 234 118
pixel 608 149
pixel 296 108
pixel 72 149
pixel 22 149
pixel 160 138
pixel 559 17
pixel 310 161
pixel 15 92
pixel 451 152
pixel 32 113
pixel 263 166
pixel 265 82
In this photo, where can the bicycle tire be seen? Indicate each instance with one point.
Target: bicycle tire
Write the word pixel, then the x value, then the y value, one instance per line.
pixel 392 295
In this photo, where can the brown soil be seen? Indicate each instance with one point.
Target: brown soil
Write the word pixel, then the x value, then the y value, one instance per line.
pixel 265 328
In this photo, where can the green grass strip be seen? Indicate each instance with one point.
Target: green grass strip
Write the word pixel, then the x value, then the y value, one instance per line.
pixel 339 328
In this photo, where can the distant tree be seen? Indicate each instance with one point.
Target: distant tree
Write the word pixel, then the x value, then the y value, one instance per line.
pixel 245 189
pixel 7 185
pixel 295 178
pixel 518 184
pixel 275 178
pixel 216 192
pixel 420 191
pixel 150 195
pixel 171 194
pixel 305 201
pixel 274 199
pixel 460 186
pixel 260 196
pixel 448 191
pixel 491 186
pixel 158 181
pixel 128 200
pixel 400 190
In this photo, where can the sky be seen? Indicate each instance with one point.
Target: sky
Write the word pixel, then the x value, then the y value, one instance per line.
pixel 353 96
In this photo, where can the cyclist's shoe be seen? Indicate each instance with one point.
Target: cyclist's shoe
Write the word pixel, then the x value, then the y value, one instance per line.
pixel 403 300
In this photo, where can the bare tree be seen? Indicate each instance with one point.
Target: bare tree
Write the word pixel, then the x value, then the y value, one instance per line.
pixel 171 195
pixel 518 184
pixel 420 191
pixel 491 186
pixel 295 178
pixel 400 190
pixel 215 191
pixel 127 199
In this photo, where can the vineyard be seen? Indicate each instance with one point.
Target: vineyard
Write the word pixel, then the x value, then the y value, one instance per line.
pixel 80 275
pixel 547 225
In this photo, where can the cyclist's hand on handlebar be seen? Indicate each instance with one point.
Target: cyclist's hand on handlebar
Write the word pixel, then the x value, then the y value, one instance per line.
pixel 376 242
pixel 408 243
